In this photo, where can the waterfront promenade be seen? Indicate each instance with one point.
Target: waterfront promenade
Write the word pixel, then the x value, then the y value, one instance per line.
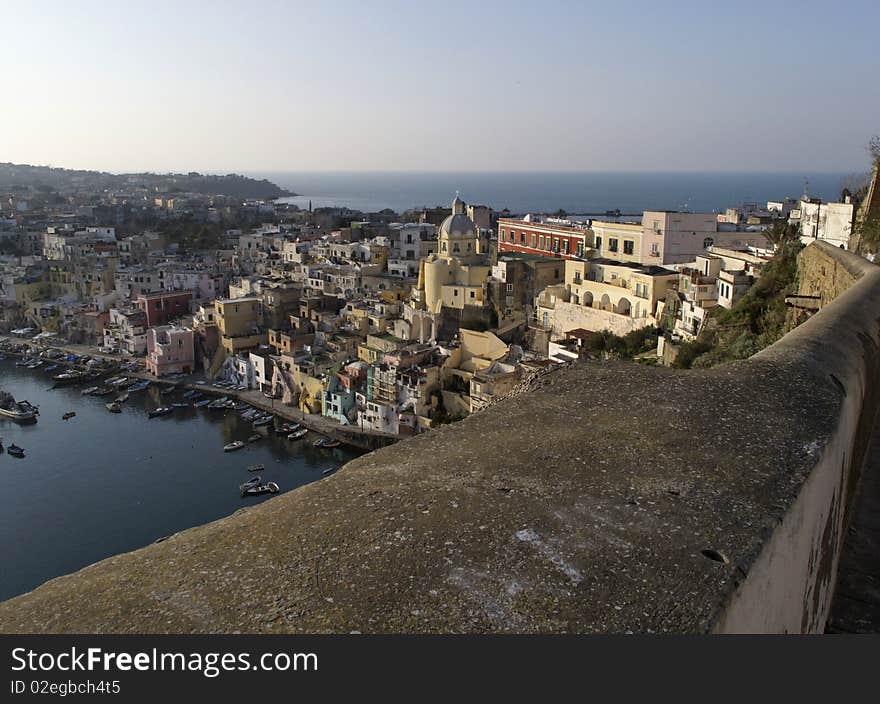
pixel 353 435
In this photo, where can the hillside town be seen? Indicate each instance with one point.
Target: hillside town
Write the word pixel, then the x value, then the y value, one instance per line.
pixel 382 324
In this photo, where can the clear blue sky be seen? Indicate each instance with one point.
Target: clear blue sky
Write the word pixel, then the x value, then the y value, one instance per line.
pixel 449 86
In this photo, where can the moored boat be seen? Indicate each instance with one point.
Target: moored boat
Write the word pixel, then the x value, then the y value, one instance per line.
pixel 161 411
pixel 257 489
pixel 69 377
pixel 68 415
pixel 17 411
pixel 15 450
pixel 236 445
pixel 256 468
pixel 254 437
pixel 265 420
pixel 114 407
pixel 89 390
pixel 298 434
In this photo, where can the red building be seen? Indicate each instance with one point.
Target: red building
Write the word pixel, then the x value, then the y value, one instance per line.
pixel 164 306
pixel 566 239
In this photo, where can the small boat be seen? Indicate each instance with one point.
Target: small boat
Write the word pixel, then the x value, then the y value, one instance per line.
pixel 68 415
pixel 51 368
pixel 327 443
pixel 68 378
pixel 180 405
pixel 256 468
pixel 191 394
pixel 237 445
pixel 202 403
pixel 298 434
pixel 286 428
pixel 329 470
pixel 15 450
pixel 161 411
pixel 103 391
pixel 265 420
pixel 257 489
pixel 90 390
pixel 34 365
pixel 139 386
pixel 254 481
pixel 114 407
pixel 123 398
pixel 254 437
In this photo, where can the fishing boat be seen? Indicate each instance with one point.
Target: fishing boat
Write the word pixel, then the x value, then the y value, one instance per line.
pixel 286 428
pixel 298 434
pixel 88 391
pixel 180 405
pixel 138 386
pixel 17 411
pixel 68 415
pixel 161 411
pixel 256 468
pixel 265 420
pixel 114 407
pixel 327 443
pixel 202 403
pixel 51 368
pixel 191 394
pixel 68 378
pixel 15 451
pixel 257 489
pixel 255 437
pixel 217 405
pixel 34 365
pixel 237 445
pixel 103 391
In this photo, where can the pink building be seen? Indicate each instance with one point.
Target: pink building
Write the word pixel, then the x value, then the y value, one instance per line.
pixel 164 306
pixel 170 350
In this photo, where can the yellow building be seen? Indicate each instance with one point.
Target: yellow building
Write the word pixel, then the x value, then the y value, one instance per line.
pixel 239 323
pixel 453 280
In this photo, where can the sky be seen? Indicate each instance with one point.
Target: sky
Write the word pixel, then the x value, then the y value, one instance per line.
pixel 440 86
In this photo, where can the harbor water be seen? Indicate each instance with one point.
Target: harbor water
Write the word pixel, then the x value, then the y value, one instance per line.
pixel 103 483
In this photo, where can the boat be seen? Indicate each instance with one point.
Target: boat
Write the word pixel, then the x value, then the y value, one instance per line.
pixel 217 405
pixel 254 437
pixel 34 365
pixel 15 450
pixel 68 415
pixel 265 420
pixel 191 394
pixel 17 411
pixel 180 405
pixel 103 391
pixel 50 368
pixel 256 468
pixel 298 434
pixel 90 390
pixel 237 445
pixel 329 470
pixel 202 403
pixel 254 481
pixel 114 407
pixel 123 398
pixel 161 411
pixel 257 489
pixel 69 377
pixel 327 443
pixel 138 386
pixel 286 428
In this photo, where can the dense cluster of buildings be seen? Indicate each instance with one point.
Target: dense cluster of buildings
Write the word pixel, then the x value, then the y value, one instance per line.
pixel 386 326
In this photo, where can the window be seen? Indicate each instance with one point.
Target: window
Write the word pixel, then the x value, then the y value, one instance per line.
pixel 503 235
pixel 598 243
pixel 522 237
pixel 612 245
pixel 708 242
pixel 565 246
pixel 534 240
pixel 580 249
pixel 555 244
pixel 628 246
pixel 541 241
pixel 473 295
pixel 510 288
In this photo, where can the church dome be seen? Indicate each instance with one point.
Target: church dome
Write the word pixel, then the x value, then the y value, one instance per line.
pixel 457 226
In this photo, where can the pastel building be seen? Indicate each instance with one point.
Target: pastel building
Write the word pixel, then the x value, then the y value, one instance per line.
pixel 170 350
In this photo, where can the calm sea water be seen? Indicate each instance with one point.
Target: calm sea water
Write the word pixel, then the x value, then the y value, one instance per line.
pixel 547 192
pixel 102 483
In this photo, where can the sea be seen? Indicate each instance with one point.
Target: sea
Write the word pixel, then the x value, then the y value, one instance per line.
pixel 544 192
pixel 100 483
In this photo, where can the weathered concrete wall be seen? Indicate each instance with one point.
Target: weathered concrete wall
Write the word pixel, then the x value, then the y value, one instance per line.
pixel 789 586
pixel 605 499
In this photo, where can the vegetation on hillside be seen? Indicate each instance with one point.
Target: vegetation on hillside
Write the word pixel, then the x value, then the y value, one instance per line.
pixel 759 318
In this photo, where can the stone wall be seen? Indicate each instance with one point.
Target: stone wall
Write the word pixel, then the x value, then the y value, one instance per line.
pixel 570 316
pixel 605 497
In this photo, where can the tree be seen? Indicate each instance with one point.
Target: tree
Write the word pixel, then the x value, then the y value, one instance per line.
pixel 781 232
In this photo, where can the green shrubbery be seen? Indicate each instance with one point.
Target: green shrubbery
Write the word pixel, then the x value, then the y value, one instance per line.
pixel 626 347
pixel 758 319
